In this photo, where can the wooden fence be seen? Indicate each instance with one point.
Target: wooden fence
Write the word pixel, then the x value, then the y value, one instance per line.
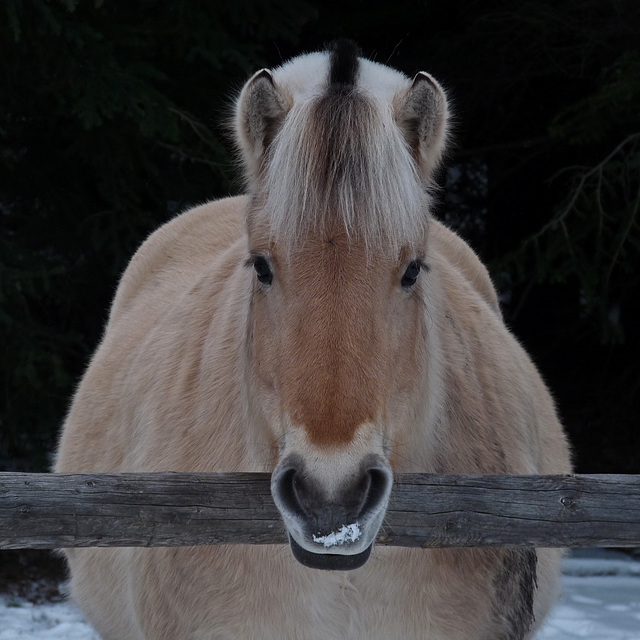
pixel 47 511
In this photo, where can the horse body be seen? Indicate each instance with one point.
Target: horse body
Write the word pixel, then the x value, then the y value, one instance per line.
pixel 311 332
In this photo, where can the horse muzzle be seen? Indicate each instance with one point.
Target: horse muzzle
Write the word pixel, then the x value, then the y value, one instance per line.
pixel 332 525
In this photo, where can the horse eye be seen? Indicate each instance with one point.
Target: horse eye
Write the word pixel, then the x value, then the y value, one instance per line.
pixel 411 274
pixel 263 270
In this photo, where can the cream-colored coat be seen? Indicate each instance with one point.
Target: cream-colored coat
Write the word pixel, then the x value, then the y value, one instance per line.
pixel 329 365
pixel 164 393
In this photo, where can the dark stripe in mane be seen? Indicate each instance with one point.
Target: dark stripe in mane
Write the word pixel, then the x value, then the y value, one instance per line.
pixel 343 64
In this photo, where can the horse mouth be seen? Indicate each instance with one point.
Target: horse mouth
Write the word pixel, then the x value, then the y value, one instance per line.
pixel 329 561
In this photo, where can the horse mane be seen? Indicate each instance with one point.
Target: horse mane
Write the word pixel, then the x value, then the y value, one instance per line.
pixel 340 157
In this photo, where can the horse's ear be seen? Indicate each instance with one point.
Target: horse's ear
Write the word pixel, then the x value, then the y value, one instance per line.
pixel 422 114
pixel 260 110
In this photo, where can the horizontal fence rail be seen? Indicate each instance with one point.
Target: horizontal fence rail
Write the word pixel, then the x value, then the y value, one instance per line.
pixel 48 511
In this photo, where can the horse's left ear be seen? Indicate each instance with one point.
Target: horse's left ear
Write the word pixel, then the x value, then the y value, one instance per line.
pixel 422 113
pixel 260 110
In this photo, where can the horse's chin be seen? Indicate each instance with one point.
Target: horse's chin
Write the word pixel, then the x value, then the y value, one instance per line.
pixel 329 561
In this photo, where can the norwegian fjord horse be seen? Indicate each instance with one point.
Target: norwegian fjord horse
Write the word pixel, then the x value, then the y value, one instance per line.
pixel 326 329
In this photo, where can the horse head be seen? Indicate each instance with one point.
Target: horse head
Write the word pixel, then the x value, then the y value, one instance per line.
pixel 339 154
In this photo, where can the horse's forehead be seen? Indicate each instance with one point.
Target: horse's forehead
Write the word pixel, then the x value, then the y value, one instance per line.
pixel 336 275
pixel 335 251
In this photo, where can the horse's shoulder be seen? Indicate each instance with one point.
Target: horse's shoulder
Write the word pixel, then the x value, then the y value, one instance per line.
pixel 178 250
pixel 454 250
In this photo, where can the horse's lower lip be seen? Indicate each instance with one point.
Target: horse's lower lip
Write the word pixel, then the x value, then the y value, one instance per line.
pixel 328 561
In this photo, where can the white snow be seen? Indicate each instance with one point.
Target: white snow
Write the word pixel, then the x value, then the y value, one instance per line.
pixel 346 533
pixel 600 601
pixel 48 621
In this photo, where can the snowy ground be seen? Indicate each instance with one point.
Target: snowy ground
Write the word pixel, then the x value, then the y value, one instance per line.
pixel 600 601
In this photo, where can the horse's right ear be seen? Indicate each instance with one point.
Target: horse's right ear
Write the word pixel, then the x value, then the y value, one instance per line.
pixel 260 110
pixel 422 113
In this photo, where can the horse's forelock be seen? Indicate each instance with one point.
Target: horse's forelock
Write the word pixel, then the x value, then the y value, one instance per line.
pixel 340 157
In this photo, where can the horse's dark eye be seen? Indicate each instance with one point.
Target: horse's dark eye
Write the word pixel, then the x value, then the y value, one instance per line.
pixel 411 274
pixel 263 270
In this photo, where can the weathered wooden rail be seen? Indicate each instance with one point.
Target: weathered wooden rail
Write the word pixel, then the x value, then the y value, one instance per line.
pixel 47 511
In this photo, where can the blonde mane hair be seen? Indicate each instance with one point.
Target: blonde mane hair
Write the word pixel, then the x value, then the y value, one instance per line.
pixel 340 157
pixel 323 150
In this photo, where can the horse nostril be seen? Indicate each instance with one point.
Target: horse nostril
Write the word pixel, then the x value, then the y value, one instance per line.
pixel 295 493
pixel 378 485
pixel 286 488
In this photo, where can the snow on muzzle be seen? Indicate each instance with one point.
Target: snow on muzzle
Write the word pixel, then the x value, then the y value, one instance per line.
pixel 333 528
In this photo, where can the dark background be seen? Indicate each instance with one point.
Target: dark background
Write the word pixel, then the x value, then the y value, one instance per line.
pixel 110 124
